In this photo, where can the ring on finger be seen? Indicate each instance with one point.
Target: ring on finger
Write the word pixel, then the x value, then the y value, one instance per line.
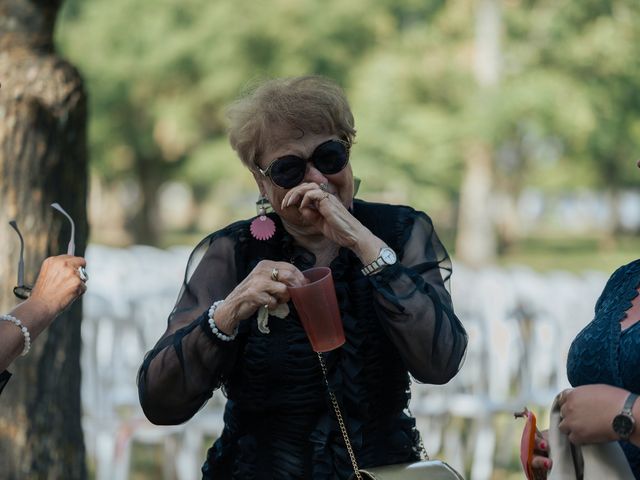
pixel 325 197
pixel 274 274
pixel 324 187
pixel 82 273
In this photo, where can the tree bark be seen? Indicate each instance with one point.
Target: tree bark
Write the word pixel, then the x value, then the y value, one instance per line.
pixel 43 159
pixel 476 240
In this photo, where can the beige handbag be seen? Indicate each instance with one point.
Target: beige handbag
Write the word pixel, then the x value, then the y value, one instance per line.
pixel 423 470
pixel 597 461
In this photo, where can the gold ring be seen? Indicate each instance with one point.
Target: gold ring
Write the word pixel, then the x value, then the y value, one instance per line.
pixel 274 274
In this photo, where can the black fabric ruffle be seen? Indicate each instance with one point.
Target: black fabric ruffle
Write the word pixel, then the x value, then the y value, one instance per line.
pixel 280 372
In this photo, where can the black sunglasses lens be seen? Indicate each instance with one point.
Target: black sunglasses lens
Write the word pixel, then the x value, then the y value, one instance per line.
pixel 331 157
pixel 22 291
pixel 287 172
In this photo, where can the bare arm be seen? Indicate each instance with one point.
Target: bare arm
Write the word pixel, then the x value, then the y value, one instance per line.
pixel 57 287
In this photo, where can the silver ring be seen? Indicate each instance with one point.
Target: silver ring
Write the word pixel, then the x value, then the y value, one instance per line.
pixel 274 274
pixel 84 276
pixel 324 187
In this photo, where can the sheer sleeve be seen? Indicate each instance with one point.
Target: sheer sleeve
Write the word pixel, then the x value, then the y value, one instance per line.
pixel 4 378
pixel 188 363
pixel 416 306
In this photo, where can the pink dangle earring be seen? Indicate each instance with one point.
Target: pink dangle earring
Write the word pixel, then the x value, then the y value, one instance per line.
pixel 262 227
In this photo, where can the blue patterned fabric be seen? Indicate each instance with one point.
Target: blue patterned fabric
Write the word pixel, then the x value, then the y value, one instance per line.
pixel 602 353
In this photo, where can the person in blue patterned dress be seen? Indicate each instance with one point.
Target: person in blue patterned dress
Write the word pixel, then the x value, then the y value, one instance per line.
pixel 233 325
pixel 603 366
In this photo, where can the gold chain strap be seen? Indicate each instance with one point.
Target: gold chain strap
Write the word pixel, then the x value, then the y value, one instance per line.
pixel 343 428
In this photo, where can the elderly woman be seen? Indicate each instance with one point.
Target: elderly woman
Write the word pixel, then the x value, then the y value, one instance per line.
pixel 389 268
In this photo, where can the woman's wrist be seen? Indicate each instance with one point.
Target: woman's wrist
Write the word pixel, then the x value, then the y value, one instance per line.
pixel 635 412
pixel 368 247
pixel 36 315
pixel 24 331
pixel 225 321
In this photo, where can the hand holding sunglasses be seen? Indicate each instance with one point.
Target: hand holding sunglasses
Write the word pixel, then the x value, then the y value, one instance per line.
pixel 329 158
pixel 23 291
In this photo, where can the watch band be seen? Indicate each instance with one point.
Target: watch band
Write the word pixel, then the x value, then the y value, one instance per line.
pixel 372 267
pixel 385 257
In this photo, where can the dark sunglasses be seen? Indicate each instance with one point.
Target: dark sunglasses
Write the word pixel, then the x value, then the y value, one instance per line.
pixel 21 290
pixel 329 158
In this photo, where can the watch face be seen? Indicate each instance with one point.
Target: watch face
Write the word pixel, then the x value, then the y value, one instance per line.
pixel 623 425
pixel 388 255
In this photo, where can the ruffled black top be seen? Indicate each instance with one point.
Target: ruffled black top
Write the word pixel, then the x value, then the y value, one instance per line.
pixel 603 353
pixel 279 423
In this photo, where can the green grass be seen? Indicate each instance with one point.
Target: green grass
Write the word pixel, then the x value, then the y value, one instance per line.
pixel 574 254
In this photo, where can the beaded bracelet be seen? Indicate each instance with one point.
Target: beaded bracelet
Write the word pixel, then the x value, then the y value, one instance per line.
pixel 212 324
pixel 23 329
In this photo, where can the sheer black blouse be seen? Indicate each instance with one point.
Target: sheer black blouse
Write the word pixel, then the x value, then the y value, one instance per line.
pixel 278 420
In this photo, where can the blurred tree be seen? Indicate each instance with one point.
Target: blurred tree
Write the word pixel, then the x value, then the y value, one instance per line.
pixel 43 159
pixel 475 242
pixel 599 45
pixel 167 69
pixel 564 115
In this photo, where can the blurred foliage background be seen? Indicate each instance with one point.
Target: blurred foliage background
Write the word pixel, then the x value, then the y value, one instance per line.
pixel 555 109
pixel 514 123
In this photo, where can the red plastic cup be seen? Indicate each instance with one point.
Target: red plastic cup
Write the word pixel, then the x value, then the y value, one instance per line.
pixel 317 307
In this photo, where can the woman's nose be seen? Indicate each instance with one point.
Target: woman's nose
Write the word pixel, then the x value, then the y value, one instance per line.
pixel 314 175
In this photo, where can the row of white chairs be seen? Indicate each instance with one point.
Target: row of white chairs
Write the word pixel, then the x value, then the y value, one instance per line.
pixel 520 324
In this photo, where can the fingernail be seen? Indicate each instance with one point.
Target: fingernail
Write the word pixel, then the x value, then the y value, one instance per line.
pixel 547 464
pixel 543 445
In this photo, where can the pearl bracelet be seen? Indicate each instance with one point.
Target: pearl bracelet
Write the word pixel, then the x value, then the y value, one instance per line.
pixel 23 329
pixel 212 324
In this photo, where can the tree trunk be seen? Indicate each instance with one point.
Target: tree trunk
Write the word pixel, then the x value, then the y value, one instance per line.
pixel 476 239
pixel 145 223
pixel 43 159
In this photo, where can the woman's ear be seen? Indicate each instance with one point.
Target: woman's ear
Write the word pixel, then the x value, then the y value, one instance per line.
pixel 259 179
